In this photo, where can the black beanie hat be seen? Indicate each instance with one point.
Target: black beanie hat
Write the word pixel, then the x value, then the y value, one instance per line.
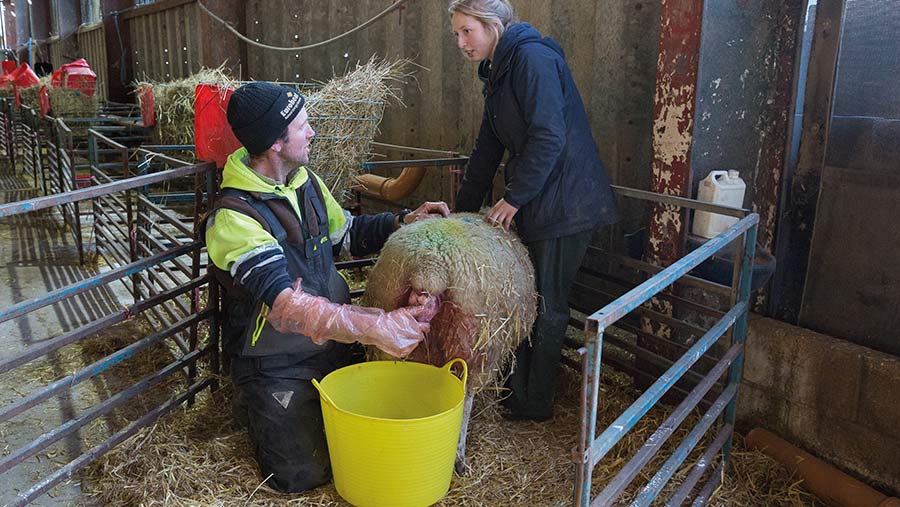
pixel 258 113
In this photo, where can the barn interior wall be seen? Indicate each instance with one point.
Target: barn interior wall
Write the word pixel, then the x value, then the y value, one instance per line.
pixel 610 46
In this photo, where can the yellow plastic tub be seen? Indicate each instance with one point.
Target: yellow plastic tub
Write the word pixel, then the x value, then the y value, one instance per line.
pixel 392 429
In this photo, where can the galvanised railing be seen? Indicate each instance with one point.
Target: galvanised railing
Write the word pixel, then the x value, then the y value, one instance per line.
pixel 593 448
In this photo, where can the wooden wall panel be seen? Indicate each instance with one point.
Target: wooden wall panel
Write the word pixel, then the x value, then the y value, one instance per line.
pixel 92 46
pixel 56 53
pixel 444 103
pixel 165 41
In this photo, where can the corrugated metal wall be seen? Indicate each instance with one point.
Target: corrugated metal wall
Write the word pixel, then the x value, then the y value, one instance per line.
pixel 166 44
pixel 92 46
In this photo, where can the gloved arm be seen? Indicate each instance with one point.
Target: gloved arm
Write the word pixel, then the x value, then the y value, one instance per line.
pixel 397 332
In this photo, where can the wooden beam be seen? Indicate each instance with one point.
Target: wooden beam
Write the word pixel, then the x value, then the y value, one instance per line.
pixel 797 220
pixel 158 6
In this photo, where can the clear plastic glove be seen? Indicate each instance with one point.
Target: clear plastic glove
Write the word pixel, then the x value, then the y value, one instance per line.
pixel 396 333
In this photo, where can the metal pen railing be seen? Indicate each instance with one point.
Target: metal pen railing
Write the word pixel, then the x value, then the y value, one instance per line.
pixel 129 226
pixel 7 129
pixel 32 161
pixel 141 265
pixel 592 448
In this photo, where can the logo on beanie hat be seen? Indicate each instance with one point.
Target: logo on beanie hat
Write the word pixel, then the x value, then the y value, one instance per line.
pixel 293 100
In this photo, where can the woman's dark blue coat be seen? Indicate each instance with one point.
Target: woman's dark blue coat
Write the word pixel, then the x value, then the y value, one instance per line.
pixel 532 109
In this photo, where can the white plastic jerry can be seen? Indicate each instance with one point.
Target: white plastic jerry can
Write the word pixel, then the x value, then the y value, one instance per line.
pixel 720 187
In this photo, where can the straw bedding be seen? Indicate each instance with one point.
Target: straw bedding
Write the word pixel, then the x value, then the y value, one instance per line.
pixel 198 457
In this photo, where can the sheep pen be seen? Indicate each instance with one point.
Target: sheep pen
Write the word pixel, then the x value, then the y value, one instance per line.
pixel 199 455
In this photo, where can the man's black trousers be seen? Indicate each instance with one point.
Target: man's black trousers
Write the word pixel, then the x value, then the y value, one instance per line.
pixel 284 418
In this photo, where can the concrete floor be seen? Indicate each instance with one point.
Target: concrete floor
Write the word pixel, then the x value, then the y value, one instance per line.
pixel 37 255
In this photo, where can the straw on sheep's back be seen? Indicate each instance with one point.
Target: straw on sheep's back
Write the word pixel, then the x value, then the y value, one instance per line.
pixel 483 278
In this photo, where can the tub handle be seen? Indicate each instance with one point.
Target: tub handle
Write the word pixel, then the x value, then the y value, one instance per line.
pixel 322 393
pixel 465 369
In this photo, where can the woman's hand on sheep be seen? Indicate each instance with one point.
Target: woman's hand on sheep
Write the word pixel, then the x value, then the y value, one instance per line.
pixel 427 210
pixel 501 214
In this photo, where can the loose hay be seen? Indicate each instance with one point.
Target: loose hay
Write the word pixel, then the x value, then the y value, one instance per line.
pixel 345 114
pixel 197 457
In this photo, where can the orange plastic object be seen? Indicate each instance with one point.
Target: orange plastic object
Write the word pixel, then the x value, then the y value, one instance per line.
pixel 391 189
pixel 827 482
pixel 148 114
pixel 44 100
pixel 213 138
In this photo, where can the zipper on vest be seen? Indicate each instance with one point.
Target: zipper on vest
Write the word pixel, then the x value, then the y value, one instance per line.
pixel 260 324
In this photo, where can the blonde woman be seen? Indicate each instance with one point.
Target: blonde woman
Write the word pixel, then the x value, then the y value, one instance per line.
pixel 557 191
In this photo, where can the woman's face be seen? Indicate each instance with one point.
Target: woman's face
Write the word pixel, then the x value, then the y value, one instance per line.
pixel 472 37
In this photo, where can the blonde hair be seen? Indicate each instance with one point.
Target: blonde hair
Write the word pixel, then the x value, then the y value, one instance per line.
pixel 496 15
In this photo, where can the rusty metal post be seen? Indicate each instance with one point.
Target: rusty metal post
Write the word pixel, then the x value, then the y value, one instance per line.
pixel 193 337
pixel 213 299
pixel 673 125
pixel 673 135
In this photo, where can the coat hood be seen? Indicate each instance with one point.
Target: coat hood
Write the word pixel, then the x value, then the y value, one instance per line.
pixel 515 36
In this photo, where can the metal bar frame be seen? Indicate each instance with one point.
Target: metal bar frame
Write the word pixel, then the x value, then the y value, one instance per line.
pixel 5 126
pixel 191 350
pixel 592 448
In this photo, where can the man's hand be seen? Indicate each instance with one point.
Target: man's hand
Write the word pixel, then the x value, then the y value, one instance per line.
pixel 501 214
pixel 427 210
pixel 397 332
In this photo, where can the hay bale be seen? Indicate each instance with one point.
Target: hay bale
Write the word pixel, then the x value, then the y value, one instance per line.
pixel 345 113
pixel 72 103
pixel 29 96
pixel 173 104
pixel 483 279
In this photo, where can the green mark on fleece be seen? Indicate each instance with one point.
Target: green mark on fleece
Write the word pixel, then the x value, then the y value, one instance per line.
pixel 441 233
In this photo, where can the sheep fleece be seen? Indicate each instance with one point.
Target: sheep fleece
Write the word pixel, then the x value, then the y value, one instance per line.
pixel 484 282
